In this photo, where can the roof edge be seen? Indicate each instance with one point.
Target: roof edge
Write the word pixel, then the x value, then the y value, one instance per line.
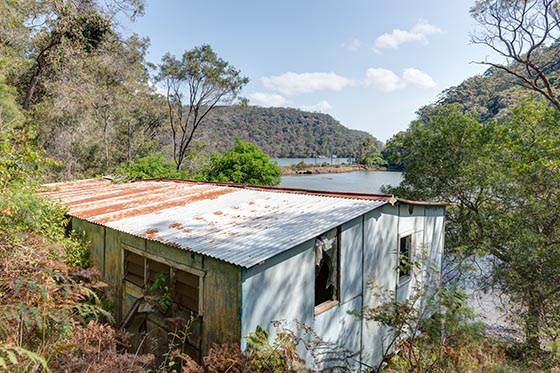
pixel 390 198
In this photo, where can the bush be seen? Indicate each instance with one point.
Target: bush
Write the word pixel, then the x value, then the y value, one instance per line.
pixel 245 163
pixel 151 167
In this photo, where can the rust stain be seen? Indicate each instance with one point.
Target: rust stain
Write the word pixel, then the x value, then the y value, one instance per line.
pixel 180 227
pixel 128 192
pixel 218 212
pixel 151 233
pixel 251 203
pixel 108 206
pixel 159 203
pixel 174 244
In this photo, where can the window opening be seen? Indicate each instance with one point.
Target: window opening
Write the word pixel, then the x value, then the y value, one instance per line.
pixel 134 268
pixel 405 255
pixel 147 273
pixel 186 292
pixel 327 258
pixel 154 269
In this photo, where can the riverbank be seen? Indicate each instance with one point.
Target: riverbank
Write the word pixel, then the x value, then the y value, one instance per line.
pixel 326 169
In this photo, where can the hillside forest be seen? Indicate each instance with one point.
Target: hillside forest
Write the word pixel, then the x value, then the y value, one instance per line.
pixel 77 100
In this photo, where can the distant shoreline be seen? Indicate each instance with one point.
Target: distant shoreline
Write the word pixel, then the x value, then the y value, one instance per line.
pixel 330 169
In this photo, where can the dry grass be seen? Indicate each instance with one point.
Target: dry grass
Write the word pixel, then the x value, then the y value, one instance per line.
pixel 50 313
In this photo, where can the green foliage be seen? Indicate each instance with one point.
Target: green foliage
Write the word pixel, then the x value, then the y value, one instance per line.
pixel 77 252
pixel 525 33
pixel 283 132
pixel 244 163
pixel 504 178
pixel 267 358
pixel 205 80
pixel 375 159
pixel 84 89
pixel 430 328
pixel 369 154
pixel 161 289
pixel 17 359
pixel 151 166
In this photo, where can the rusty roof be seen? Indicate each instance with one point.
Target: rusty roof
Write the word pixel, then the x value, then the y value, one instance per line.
pixel 239 224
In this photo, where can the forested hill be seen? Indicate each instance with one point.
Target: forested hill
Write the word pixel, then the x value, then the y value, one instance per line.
pixel 494 93
pixel 281 132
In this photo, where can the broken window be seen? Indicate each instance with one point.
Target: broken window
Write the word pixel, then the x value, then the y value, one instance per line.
pixel 405 256
pixel 186 290
pixel 134 268
pixel 327 258
pixel 143 272
pixel 155 269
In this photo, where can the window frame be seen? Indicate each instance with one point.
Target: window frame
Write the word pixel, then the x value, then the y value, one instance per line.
pixel 173 267
pixel 328 304
pixel 402 275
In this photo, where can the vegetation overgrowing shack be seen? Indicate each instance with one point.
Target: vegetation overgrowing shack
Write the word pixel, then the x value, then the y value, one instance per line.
pixel 235 257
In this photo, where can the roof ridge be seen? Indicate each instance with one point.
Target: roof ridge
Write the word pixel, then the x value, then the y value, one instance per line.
pixel 323 193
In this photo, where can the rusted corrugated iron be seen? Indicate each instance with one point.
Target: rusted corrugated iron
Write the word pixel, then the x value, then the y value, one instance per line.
pixel 238 224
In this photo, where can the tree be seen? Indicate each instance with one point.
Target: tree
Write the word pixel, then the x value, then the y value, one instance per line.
pixel 89 91
pixel 504 178
pixel 53 32
pixel 244 163
pixel 369 154
pixel 522 32
pixel 206 80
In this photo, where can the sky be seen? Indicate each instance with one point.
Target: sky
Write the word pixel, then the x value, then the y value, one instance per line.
pixel 371 64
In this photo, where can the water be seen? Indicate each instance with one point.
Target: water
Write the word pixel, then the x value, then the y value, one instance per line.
pixel 358 181
pixel 311 161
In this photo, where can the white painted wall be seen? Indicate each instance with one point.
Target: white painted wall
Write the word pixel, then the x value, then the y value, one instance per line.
pixel 380 258
pixel 383 229
pixel 282 288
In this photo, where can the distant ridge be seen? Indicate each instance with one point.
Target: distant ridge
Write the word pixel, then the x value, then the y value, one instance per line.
pixel 281 132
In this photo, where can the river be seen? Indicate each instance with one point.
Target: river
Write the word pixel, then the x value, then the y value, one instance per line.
pixel 358 181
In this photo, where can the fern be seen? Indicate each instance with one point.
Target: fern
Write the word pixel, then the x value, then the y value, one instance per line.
pixel 18 359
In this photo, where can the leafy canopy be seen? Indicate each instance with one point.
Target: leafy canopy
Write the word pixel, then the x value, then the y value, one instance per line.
pixel 206 80
pixel 244 163
pixel 504 178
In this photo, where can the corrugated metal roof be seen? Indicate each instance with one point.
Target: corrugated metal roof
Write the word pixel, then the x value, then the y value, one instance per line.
pixel 237 224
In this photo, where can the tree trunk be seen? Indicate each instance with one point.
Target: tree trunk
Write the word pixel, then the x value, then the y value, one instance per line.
pixel 532 328
pixel 32 85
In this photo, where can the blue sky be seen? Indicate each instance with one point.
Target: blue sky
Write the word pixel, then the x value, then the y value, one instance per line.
pixel 369 64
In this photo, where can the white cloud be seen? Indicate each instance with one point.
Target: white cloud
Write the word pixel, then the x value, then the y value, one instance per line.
pixel 387 81
pixel 292 84
pixel 418 78
pixel 353 45
pixel 322 106
pixel 267 99
pixel 419 32
pixel 383 80
pixel 426 29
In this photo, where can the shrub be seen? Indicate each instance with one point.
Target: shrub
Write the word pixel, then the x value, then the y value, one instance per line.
pixel 150 167
pixel 244 163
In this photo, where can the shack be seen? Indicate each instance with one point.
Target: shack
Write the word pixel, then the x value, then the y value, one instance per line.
pixel 235 257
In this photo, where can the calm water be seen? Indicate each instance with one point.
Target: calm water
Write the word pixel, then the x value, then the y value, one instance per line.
pixel 312 161
pixel 359 181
